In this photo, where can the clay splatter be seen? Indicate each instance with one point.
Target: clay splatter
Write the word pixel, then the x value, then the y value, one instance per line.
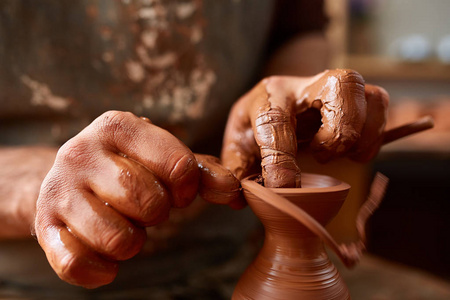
pixel 43 96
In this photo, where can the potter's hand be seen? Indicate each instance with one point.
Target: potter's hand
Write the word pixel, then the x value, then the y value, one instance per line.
pixel 117 176
pixel 328 110
pixel 218 185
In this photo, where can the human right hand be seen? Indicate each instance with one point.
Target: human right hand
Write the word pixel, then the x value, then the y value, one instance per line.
pixel 334 112
pixel 115 177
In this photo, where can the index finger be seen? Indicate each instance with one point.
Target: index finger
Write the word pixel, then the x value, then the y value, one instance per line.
pixel 262 125
pixel 154 148
pixel 273 120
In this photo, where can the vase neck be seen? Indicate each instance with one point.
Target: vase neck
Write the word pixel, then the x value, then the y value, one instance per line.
pixel 299 247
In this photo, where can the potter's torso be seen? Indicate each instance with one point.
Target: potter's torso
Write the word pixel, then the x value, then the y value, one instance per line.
pixel 180 63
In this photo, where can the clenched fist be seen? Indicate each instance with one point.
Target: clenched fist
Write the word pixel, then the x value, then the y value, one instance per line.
pixel 117 176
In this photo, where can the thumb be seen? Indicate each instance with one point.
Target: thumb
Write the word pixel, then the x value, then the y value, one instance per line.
pixel 217 184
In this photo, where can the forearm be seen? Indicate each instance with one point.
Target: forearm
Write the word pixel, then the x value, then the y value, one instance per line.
pixel 21 174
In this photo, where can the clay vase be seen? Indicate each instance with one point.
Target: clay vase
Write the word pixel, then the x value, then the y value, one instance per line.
pixel 292 263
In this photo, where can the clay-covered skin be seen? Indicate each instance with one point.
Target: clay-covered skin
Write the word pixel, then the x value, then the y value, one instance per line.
pixel 217 184
pixel 117 176
pixel 367 147
pixel 263 123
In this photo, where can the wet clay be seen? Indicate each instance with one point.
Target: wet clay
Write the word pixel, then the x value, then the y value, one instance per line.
pixel 334 113
pixel 337 94
pixel 269 114
pixel 293 263
pixel 340 97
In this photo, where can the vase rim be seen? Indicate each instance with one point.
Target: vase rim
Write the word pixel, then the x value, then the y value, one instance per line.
pixel 335 185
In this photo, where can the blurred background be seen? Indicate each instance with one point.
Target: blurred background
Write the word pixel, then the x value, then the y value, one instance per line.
pixel 404 46
pixel 401 45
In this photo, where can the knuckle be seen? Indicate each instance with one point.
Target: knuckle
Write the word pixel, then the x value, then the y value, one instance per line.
pixel 74 151
pixel 181 166
pixel 48 190
pixel 146 194
pixel 113 122
pixel 67 267
pixel 55 190
pixel 272 116
pixel 77 269
pixel 184 180
pixel 273 79
pixel 110 119
pixel 155 217
pixel 122 244
pixel 348 76
pixel 275 129
pixel 154 207
pixel 114 242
